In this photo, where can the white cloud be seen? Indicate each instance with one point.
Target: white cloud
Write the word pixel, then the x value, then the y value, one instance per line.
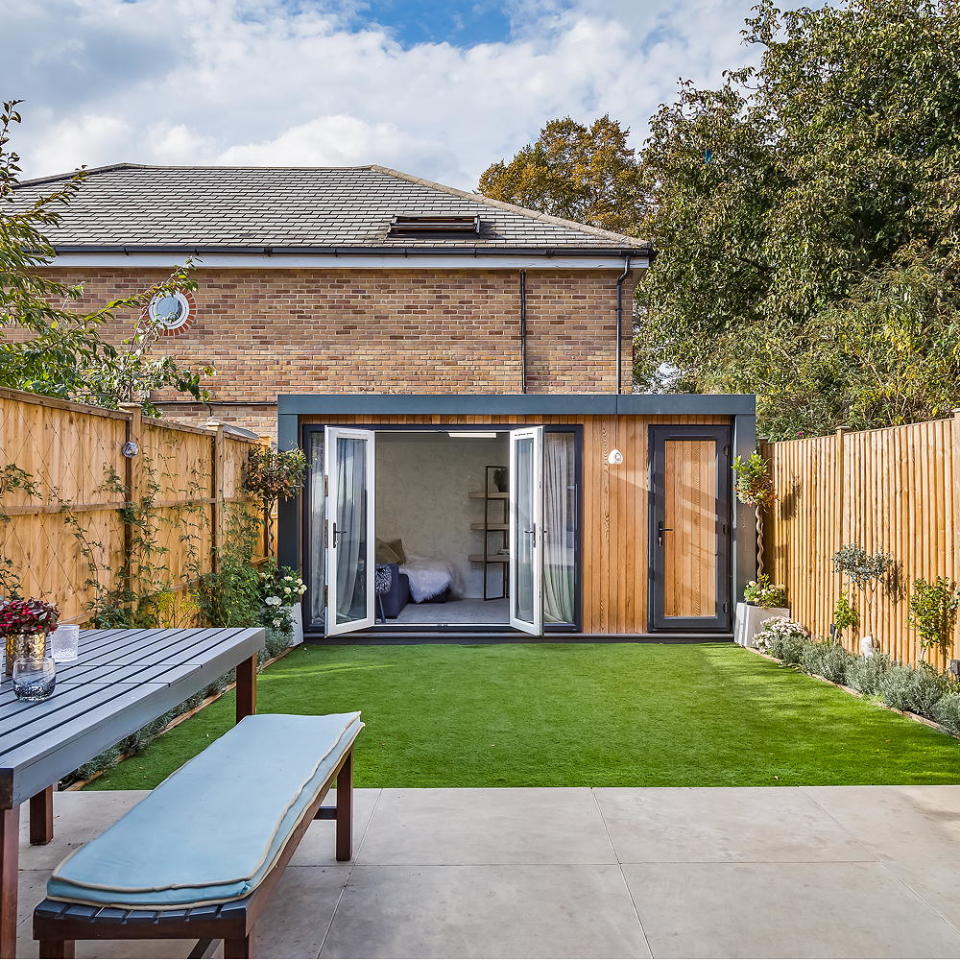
pixel 263 81
pixel 333 142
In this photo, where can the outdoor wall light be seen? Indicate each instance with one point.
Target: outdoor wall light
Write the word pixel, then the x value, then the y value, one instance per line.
pixel 614 457
pixel 130 449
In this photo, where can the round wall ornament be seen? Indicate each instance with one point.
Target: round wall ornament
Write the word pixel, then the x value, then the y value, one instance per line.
pixel 172 310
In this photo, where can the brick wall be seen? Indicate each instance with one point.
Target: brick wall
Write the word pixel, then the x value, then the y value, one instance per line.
pixel 268 332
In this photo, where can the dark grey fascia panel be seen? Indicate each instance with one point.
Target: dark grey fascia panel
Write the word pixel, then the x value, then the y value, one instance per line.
pixel 597 404
pixel 676 404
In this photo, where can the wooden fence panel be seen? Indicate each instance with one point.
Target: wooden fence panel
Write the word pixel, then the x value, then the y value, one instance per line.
pixel 65 536
pixel 894 489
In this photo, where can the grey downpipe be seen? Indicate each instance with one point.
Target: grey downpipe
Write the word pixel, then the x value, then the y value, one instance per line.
pixel 619 351
pixel 523 331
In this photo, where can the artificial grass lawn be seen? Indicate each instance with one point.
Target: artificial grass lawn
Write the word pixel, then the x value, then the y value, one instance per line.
pixel 576 715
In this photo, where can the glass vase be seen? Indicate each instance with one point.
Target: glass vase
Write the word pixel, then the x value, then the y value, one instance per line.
pixel 34 678
pixel 24 646
pixel 65 643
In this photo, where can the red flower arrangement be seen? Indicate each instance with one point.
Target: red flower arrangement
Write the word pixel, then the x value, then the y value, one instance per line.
pixel 27 616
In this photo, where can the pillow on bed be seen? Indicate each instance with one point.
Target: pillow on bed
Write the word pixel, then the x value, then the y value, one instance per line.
pixel 390 551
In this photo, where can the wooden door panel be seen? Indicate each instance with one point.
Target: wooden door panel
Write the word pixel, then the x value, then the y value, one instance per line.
pixel 689 528
pixel 690 516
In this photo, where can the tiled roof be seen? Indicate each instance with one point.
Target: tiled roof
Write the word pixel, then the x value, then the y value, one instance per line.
pixel 300 207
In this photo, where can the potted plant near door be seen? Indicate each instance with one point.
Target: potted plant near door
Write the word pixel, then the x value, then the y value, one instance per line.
pixel 281 590
pixel 762 601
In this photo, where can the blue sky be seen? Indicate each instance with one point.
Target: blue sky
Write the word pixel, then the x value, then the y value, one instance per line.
pixel 438 88
pixel 460 22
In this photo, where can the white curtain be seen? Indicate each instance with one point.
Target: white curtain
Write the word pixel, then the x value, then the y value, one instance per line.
pixel 351 529
pixel 559 520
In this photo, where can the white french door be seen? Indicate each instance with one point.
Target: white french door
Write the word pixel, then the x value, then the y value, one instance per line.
pixel 526 530
pixel 349 529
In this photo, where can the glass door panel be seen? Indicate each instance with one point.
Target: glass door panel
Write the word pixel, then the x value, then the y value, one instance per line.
pixel 526 530
pixel 349 456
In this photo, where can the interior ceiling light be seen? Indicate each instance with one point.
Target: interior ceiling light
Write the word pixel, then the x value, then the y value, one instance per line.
pixel 487 435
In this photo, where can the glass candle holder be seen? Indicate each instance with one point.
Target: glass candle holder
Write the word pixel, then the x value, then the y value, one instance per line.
pixel 34 678
pixel 65 643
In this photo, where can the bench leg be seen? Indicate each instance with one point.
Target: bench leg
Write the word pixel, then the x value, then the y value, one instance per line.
pixel 247 688
pixel 240 948
pixel 9 877
pixel 56 949
pixel 345 809
pixel 41 817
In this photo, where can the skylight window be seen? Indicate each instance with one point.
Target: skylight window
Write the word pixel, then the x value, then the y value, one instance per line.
pixel 406 225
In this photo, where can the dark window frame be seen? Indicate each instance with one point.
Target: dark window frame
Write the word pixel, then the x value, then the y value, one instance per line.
pixel 307 430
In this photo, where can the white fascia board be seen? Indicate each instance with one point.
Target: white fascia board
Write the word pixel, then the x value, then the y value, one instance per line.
pixel 281 261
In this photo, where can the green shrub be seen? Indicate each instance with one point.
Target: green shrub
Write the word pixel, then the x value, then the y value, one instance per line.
pixel 826 659
pixel 916 689
pixel 947 712
pixel 845 615
pixel 864 673
pixel 933 612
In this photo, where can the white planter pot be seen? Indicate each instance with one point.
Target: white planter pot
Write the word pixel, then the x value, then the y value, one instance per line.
pixel 296 618
pixel 750 620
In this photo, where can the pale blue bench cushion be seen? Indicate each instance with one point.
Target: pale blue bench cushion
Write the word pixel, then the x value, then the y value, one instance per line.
pixel 211 831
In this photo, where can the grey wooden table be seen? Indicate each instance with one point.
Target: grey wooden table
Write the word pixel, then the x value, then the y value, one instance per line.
pixel 123 680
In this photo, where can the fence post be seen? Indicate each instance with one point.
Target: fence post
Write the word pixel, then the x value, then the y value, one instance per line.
pixel 218 499
pixel 133 493
pixel 268 538
pixel 840 491
pixel 842 431
pixel 954 518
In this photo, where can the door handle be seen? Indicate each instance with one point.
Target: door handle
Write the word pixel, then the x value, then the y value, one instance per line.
pixel 533 536
pixel 661 530
pixel 333 534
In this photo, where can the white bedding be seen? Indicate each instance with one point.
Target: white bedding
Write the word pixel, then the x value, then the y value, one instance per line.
pixel 428 578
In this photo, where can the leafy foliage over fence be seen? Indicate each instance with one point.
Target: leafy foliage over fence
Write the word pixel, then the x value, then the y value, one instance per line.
pixel 115 539
pixel 894 490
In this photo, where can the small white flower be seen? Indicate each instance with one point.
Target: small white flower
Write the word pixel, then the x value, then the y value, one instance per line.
pixel 272 601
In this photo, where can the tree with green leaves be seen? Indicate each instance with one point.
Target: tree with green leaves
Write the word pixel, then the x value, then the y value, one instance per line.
pixel 45 347
pixel 584 173
pixel 807 218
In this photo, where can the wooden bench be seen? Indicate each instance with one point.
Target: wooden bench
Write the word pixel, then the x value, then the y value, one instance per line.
pixel 199 857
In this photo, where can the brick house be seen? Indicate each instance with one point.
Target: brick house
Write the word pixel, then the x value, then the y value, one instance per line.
pixel 459 372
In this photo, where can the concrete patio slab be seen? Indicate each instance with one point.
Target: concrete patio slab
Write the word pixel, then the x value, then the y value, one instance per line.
pixel 620 872
pixel 784 910
pixel 486 911
pixel 301 911
pixel 897 823
pixel 721 823
pixel 487 826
